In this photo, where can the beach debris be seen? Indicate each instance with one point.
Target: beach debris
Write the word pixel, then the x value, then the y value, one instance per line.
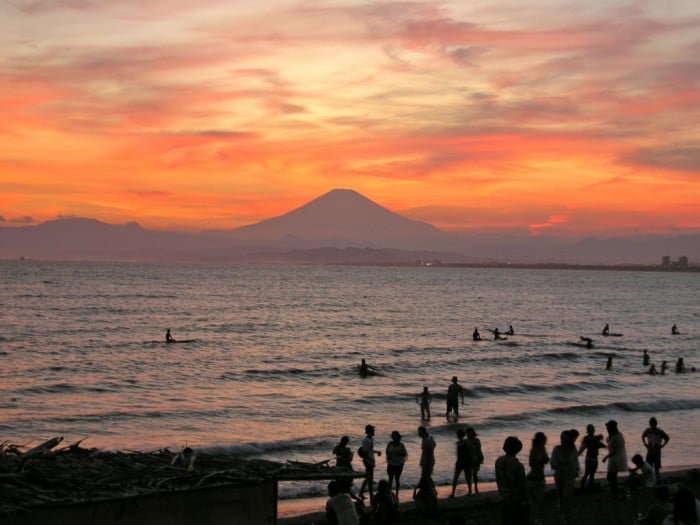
pixel 48 474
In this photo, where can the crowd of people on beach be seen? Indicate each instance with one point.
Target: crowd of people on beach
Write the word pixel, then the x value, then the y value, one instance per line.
pixel 522 494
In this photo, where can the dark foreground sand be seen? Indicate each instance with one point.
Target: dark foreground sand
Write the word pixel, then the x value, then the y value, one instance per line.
pixel 588 508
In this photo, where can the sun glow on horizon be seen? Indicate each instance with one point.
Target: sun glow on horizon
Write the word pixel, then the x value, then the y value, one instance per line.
pixel 491 116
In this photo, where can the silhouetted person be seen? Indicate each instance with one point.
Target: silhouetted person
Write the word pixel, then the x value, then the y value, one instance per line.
pixel 606 329
pixel 367 453
pixel 652 370
pixel 674 329
pixel 642 475
pixel 496 334
pixel 565 466
pixel 686 509
pixel 396 455
pixel 340 509
pixel 476 336
pixel 591 443
pixel 617 455
pixel 664 367
pixel 608 365
pixel 365 369
pixel 425 497
pixel 343 454
pixel 645 359
pixel 385 507
pixel 510 478
pixel 680 366
pixel 475 461
pixel 454 391
pixel 427 453
pixel 536 480
pixel 424 398
pixel 510 330
pixel 168 337
pixel 654 439
pixel 462 463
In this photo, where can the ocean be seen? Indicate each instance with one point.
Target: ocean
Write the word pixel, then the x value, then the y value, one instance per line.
pixel 272 369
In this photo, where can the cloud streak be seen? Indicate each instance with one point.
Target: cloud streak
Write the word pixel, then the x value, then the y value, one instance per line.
pixel 416 104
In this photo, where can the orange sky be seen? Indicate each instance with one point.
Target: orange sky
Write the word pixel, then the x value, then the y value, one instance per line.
pixel 554 117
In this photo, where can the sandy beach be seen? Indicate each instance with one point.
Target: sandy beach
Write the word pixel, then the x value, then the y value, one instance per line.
pixel 588 507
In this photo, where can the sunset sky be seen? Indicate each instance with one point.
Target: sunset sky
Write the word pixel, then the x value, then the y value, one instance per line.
pixel 539 117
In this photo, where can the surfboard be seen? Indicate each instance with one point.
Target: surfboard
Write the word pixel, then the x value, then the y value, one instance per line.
pixel 612 334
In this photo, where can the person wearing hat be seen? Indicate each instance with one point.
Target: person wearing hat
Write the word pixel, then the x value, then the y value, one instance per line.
pixel 367 452
pixel 510 479
pixel 396 455
pixel 617 455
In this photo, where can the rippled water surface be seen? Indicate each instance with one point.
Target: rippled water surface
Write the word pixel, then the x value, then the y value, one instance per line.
pixel 272 368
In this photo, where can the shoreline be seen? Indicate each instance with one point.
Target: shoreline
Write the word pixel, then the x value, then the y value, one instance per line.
pixel 591 507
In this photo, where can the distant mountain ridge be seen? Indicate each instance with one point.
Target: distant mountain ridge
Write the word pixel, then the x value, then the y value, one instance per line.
pixel 338 227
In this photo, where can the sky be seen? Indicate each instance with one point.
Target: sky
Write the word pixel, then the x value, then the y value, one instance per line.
pixel 544 117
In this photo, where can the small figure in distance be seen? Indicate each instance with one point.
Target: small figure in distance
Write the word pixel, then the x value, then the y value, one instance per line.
pixel 365 369
pixel 510 330
pixel 476 460
pixel 588 341
pixel 510 479
pixel 654 439
pixel 476 336
pixel 424 398
pixel 606 329
pixel 343 454
pixel 340 508
pixel 674 330
pixel 168 337
pixel 664 367
pixel 652 370
pixel 608 365
pixel 396 455
pixel 680 366
pixel 497 334
pixel 454 391
pixel 645 359
pixel 591 443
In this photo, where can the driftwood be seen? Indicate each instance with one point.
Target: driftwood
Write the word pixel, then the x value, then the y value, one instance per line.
pixel 45 474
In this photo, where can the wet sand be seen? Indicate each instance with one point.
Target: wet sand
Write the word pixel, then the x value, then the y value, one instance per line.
pixel 588 507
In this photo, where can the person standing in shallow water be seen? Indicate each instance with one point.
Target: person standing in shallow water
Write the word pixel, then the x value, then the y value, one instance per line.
pixel 608 365
pixel 462 463
pixel 565 466
pixel 343 454
pixel 424 398
pixel 454 391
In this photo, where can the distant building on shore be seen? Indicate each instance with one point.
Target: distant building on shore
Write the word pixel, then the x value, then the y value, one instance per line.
pixel 666 262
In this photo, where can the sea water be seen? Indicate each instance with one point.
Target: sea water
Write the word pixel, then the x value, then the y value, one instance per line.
pixel 272 368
